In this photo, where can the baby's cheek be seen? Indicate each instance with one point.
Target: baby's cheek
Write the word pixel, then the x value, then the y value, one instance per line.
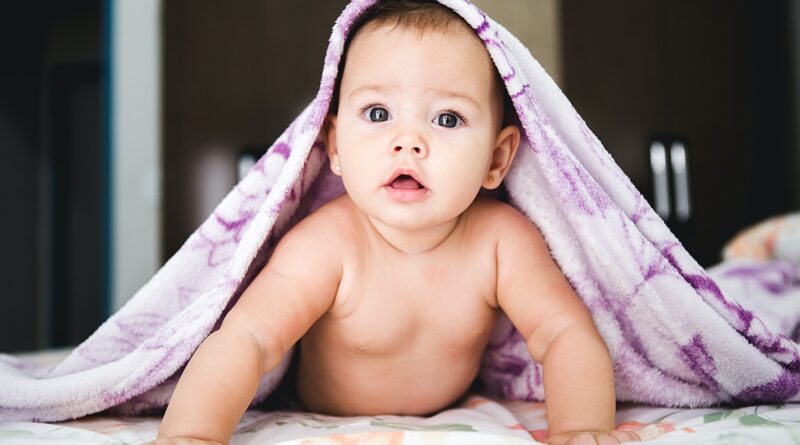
pixel 463 189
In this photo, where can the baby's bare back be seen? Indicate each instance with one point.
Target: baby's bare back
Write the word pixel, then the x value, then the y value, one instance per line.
pixel 406 332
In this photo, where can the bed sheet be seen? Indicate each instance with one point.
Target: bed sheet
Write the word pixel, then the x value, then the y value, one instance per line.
pixel 477 420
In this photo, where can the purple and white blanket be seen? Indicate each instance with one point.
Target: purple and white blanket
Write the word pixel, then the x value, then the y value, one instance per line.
pixel 677 336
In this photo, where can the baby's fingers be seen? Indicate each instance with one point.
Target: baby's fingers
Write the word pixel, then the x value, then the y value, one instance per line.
pixel 590 438
pixel 594 438
pixel 612 438
pixel 626 436
pixel 182 441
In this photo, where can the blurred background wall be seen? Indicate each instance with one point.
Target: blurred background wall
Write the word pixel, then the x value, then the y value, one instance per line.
pixel 537 24
pixel 134 102
pixel 123 123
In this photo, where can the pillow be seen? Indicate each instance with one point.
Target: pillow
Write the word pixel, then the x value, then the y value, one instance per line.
pixel 777 238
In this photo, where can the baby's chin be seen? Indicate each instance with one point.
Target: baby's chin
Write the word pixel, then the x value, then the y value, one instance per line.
pixel 414 216
pixel 412 222
pixel 411 218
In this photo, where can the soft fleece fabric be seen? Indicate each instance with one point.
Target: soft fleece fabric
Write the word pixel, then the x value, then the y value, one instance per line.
pixel 675 338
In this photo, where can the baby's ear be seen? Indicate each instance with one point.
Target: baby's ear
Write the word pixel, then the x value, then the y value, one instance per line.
pixel 505 148
pixel 329 127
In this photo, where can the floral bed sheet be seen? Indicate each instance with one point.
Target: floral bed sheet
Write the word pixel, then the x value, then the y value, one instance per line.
pixel 477 420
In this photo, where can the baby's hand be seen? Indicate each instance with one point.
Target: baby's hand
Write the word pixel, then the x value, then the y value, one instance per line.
pixel 182 441
pixel 593 438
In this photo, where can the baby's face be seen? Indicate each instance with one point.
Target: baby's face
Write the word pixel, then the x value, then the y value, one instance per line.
pixel 418 105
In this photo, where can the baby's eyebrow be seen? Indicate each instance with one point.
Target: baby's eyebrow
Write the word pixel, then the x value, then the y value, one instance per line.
pixel 446 93
pixel 457 95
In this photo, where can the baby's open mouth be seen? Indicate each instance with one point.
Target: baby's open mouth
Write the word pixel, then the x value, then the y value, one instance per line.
pixel 406 182
pixel 405 186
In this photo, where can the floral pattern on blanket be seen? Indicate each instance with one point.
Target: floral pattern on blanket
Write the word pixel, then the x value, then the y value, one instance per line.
pixel 478 420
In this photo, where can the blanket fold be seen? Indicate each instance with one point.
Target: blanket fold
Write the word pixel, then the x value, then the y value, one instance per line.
pixel 675 337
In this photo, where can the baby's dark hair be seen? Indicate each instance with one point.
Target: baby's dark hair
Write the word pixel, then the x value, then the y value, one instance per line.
pixel 422 16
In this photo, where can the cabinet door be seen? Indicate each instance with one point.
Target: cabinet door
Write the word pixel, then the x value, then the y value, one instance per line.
pixel 729 88
pixel 682 70
pixel 707 97
pixel 615 78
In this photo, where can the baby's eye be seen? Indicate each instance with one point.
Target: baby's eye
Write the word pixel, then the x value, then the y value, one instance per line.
pixel 447 120
pixel 376 114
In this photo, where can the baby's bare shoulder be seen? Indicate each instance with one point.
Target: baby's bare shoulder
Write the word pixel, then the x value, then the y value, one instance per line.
pixel 499 218
pixel 514 234
pixel 332 223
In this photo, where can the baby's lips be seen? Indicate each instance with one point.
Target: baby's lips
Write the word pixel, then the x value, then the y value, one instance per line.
pixel 407 183
pixel 405 171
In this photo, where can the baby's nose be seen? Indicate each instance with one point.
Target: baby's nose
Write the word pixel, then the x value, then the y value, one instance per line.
pixel 417 149
pixel 411 138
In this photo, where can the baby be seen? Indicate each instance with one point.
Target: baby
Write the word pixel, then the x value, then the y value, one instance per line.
pixel 411 267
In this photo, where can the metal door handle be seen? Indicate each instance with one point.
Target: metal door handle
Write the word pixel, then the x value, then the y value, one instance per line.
pixel 680 180
pixel 658 163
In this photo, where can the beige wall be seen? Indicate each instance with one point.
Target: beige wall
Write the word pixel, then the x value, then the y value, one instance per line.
pixel 536 23
pixel 136 146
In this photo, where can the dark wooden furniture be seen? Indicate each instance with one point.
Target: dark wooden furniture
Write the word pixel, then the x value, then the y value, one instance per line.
pixel 713 75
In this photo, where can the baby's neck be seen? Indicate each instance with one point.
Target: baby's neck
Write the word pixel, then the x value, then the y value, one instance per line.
pixel 415 241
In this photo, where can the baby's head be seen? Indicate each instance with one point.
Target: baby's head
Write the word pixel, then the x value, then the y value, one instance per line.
pixel 421 16
pixel 418 96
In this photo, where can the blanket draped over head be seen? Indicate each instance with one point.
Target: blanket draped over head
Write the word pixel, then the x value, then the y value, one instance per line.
pixel 675 337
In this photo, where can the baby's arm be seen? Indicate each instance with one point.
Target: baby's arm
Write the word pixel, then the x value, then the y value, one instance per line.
pixel 295 288
pixel 560 333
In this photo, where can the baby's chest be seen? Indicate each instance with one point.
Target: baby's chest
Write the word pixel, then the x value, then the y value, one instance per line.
pixel 388 312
